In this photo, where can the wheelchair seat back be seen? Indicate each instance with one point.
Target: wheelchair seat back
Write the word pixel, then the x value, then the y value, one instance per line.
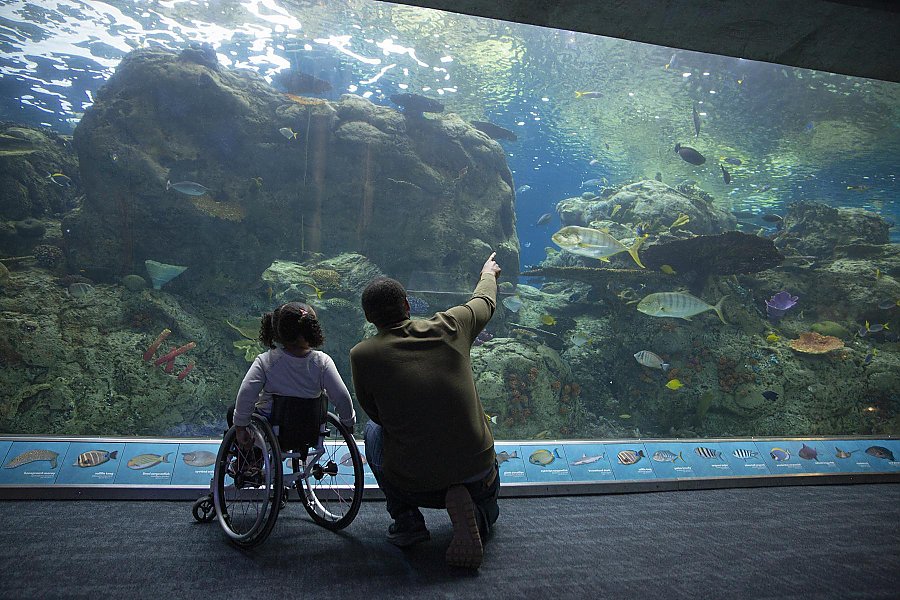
pixel 297 421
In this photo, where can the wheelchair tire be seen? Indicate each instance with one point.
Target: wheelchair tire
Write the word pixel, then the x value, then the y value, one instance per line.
pixel 203 509
pixel 248 485
pixel 332 492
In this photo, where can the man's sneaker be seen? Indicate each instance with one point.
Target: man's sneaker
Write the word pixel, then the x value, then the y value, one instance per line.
pixel 465 549
pixel 408 529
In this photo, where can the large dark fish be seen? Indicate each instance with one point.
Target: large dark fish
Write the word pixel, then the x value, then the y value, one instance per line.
pixel 414 103
pixel 880 452
pixel 690 155
pixel 733 161
pixel 297 82
pixel 726 176
pixel 808 453
pixel 494 131
pixel 696 116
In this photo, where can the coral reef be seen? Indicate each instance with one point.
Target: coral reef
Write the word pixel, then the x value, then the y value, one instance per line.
pixel 814 343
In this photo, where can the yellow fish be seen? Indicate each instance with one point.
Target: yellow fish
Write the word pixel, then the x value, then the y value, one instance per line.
pixel 542 435
pixel 772 338
pixel 681 220
pixel 490 418
pixel 667 269
pixel 615 209
pixel 548 320
pixel 877 273
pixel 319 293
pixel 674 384
pixel 594 244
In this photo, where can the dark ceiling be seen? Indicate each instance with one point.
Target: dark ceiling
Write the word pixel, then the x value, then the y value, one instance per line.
pixel 853 37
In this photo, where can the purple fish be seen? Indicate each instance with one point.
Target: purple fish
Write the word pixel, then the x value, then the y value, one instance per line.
pixel 779 304
pixel 808 453
pixel 483 337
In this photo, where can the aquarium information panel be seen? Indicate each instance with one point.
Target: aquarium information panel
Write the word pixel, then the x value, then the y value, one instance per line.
pixel 28 463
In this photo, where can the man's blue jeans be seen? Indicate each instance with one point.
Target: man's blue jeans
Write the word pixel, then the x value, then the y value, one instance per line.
pixel 484 492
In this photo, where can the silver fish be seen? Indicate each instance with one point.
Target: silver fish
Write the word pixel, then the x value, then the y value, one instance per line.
pixel 191 188
pixel 594 243
pixel 33 456
pixel 198 458
pixel 677 304
pixel 513 303
pixel 586 460
pixel 650 359
pixel 667 456
pixel 629 457
pixel 93 458
pixel 288 133
pixel 145 461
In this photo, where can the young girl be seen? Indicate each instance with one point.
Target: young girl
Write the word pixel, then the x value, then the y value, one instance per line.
pixel 293 369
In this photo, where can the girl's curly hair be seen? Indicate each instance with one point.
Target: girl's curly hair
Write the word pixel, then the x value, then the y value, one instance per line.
pixel 290 322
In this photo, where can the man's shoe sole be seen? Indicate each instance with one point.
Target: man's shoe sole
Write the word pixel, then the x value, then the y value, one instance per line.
pixel 465 549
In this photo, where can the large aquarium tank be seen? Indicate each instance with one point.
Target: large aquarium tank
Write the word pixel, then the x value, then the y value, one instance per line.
pixel 692 245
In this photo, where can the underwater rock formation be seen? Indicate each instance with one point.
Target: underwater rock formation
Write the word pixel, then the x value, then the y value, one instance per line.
pixel 812 228
pixel 430 194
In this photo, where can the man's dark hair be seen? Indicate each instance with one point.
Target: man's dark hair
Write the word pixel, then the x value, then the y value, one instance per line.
pixel 383 302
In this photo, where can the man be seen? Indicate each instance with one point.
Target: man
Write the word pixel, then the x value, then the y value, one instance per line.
pixel 428 441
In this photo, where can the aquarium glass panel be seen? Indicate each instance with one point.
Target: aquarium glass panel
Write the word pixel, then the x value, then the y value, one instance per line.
pixel 691 245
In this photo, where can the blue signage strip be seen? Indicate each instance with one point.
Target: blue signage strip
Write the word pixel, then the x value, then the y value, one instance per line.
pixel 33 463
pixel 88 463
pixel 511 463
pixel 147 464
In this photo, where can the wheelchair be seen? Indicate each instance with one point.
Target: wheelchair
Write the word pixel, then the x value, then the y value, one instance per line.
pixel 250 486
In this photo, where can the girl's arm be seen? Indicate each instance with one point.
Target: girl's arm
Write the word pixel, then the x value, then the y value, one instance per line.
pixel 248 393
pixel 337 393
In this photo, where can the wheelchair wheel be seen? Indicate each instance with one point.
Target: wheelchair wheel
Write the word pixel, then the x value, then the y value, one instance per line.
pixel 203 509
pixel 334 487
pixel 248 485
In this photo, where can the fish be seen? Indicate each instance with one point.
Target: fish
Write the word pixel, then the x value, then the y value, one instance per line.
pixel 681 220
pixel 843 453
pixel 414 103
pixel 680 305
pixel 588 94
pixel 671 62
pixel 877 273
pixel 543 457
pixel 629 457
pixel 733 161
pixel 651 359
pixel 726 176
pixel 592 182
pixel 658 177
pixel 93 458
pixel 674 384
pixel 772 218
pixel 744 454
pixel 297 82
pixel 513 303
pixel 780 454
pixel 60 179
pixel 199 458
pixel 320 293
pixel 347 459
pixel 770 395
pixel 33 456
pixel 808 453
pixel 772 338
pixel 482 337
pixel 543 219
pixel 667 456
pixel 877 452
pixel 542 435
pixel 504 456
pixel 858 188
pixel 579 339
pixel 705 452
pixel 586 460
pixel 696 117
pixel 593 243
pixel 870 355
pixel 548 320
pixel 594 162
pixel 288 133
pixel 189 188
pixel 145 461
pixel 668 270
pixel 888 304
pixel 877 327
pixel 490 418
pixel 615 209
pixel 418 306
pixel 625 416
pixel 523 188
pixel 494 131
pixel 689 155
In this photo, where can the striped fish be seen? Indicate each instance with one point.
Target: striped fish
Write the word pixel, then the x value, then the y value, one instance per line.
pixel 33 456
pixel 707 452
pixel 651 359
pixel 93 458
pixel 594 243
pixel 629 457
pixel 145 461
pixel 667 456
pixel 677 304
pixel 743 453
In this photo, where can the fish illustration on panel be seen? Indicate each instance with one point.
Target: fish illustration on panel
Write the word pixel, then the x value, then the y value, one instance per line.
pixel 780 454
pixel 808 453
pixel 145 461
pixel 543 457
pixel 586 460
pixel 199 458
pixel 33 456
pixel 347 459
pixel 629 457
pixel 880 452
pixel 843 453
pixel 705 452
pixel 504 456
pixel 744 454
pixel 93 458
pixel 667 456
